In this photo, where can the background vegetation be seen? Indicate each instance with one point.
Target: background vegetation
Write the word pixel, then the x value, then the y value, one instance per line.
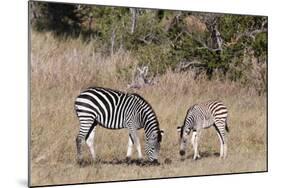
pixel 232 47
pixel 191 57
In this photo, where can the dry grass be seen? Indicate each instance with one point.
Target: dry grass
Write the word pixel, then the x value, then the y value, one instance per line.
pixel 60 70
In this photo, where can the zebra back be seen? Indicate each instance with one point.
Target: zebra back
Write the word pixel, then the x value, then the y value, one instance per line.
pixel 208 112
pixel 217 109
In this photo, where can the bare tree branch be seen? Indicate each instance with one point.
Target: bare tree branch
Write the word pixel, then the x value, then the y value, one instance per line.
pixel 145 38
pixel 112 41
pixel 218 38
pixel 188 64
pixel 203 44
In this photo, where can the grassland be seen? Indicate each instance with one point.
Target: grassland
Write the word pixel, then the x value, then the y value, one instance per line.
pixel 61 69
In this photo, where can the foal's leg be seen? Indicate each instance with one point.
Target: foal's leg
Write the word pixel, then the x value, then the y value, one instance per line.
pixel 194 141
pixel 220 128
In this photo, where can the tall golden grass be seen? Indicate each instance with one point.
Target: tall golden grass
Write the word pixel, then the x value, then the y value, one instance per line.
pixel 60 69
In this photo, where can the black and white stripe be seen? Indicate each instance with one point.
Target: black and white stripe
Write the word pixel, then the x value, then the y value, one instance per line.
pixel 116 110
pixel 202 116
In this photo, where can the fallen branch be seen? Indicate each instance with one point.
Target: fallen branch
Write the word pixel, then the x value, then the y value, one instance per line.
pixel 186 65
pixel 140 78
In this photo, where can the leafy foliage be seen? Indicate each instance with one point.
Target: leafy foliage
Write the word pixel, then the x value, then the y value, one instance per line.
pixel 227 45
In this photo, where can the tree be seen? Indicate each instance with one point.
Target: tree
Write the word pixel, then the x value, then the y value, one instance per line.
pixel 230 46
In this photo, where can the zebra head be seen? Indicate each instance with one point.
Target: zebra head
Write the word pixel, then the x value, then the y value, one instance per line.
pixel 183 132
pixel 152 146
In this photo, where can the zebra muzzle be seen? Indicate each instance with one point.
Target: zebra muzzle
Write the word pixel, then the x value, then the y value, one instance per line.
pixel 182 152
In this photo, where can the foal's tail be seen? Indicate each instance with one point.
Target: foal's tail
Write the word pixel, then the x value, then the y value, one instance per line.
pixel 226 126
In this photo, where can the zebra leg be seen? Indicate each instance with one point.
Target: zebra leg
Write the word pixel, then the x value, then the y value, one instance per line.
pixel 86 127
pixel 130 148
pixel 221 134
pixel 194 141
pixel 138 147
pixel 197 144
pixel 133 134
pixel 221 145
pixel 90 142
pixel 224 148
pixel 224 138
pixel 79 141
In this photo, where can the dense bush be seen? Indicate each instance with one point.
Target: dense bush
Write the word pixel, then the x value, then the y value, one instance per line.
pixel 231 46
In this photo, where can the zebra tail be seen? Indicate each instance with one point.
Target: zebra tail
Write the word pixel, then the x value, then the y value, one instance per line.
pixel 226 126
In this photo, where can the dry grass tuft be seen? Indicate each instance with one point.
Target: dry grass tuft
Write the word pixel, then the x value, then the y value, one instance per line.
pixel 61 69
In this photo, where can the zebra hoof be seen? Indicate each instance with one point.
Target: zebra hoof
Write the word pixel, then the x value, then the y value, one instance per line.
pixel 196 158
pixel 140 162
pixel 84 163
pixel 96 160
pixel 128 160
pixel 81 163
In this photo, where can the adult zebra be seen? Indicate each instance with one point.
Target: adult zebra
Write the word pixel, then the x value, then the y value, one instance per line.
pixel 116 110
pixel 202 116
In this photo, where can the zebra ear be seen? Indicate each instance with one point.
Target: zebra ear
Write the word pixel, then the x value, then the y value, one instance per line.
pixel 179 128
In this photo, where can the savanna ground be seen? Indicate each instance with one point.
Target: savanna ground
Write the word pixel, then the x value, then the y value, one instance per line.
pixel 61 69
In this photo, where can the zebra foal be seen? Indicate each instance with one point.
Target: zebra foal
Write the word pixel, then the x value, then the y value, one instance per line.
pixel 202 116
pixel 116 110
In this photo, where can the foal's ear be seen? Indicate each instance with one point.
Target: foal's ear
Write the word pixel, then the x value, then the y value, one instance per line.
pixel 179 129
pixel 160 135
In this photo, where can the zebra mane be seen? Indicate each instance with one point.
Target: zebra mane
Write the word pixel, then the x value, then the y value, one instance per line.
pixel 181 133
pixel 137 95
pixel 140 97
pixel 187 113
pixel 106 88
pixel 159 138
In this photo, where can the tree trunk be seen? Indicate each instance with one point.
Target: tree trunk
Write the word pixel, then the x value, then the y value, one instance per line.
pixel 133 19
pixel 112 42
